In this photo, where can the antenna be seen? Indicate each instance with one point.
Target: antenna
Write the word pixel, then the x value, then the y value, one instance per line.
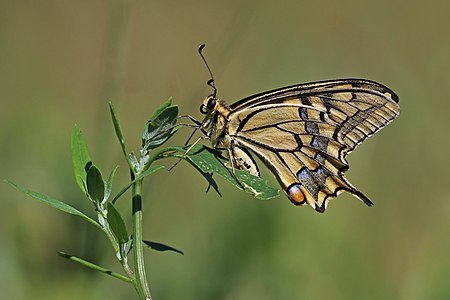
pixel 211 81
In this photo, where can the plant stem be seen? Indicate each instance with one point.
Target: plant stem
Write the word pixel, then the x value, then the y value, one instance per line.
pixel 140 279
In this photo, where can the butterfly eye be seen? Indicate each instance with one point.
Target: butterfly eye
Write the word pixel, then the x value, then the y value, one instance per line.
pixel 211 103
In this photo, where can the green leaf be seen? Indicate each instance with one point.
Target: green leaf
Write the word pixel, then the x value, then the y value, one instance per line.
pixel 95 184
pixel 209 177
pixel 160 128
pixel 119 134
pixel 95 267
pixel 53 203
pixel 116 124
pixel 117 224
pixel 139 177
pixel 80 157
pixel 149 171
pixel 161 108
pixel 160 247
pixel 210 161
pixel 133 161
pixel 108 184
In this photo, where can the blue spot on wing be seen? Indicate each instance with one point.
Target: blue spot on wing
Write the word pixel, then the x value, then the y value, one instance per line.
pixel 303 174
pixel 320 158
pixel 303 113
pixel 319 170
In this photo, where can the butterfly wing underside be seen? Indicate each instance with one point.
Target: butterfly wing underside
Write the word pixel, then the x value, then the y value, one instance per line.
pixel 303 133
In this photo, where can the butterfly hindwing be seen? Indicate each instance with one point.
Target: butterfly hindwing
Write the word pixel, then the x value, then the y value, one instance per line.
pixel 306 172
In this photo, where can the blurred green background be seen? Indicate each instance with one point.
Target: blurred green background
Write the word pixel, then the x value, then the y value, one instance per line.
pixel 62 61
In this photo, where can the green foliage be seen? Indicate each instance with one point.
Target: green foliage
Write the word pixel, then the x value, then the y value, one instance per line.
pixel 158 130
pixel 80 157
pixel 209 161
pixel 108 183
pixel 117 224
pixel 160 127
pixel 94 266
pixel 117 128
pixel 95 184
pixel 52 202
pixel 160 247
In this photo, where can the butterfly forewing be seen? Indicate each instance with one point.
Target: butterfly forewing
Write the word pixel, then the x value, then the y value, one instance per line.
pixel 303 133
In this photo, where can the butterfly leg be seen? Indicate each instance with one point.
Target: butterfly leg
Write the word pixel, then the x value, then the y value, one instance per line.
pixel 197 124
pixel 188 150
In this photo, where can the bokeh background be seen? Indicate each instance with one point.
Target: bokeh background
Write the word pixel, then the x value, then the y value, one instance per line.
pixel 62 61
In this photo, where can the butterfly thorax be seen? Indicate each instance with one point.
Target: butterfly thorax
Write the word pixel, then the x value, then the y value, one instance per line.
pixel 216 121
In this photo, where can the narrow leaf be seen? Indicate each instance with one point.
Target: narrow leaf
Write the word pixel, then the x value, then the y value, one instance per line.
pixel 161 108
pixel 159 129
pixel 160 247
pixel 95 184
pixel 139 177
pixel 109 181
pixel 80 157
pixel 95 267
pixel 211 161
pixel 116 124
pixel 53 203
pixel 117 224
pixel 119 134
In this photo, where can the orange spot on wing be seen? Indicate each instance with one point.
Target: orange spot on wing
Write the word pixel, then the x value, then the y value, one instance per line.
pixel 295 194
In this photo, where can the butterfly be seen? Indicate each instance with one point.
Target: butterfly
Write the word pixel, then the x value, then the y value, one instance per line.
pixel 303 133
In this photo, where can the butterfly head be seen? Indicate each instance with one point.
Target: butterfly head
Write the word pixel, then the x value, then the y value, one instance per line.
pixel 208 105
pixel 211 105
pixel 216 112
